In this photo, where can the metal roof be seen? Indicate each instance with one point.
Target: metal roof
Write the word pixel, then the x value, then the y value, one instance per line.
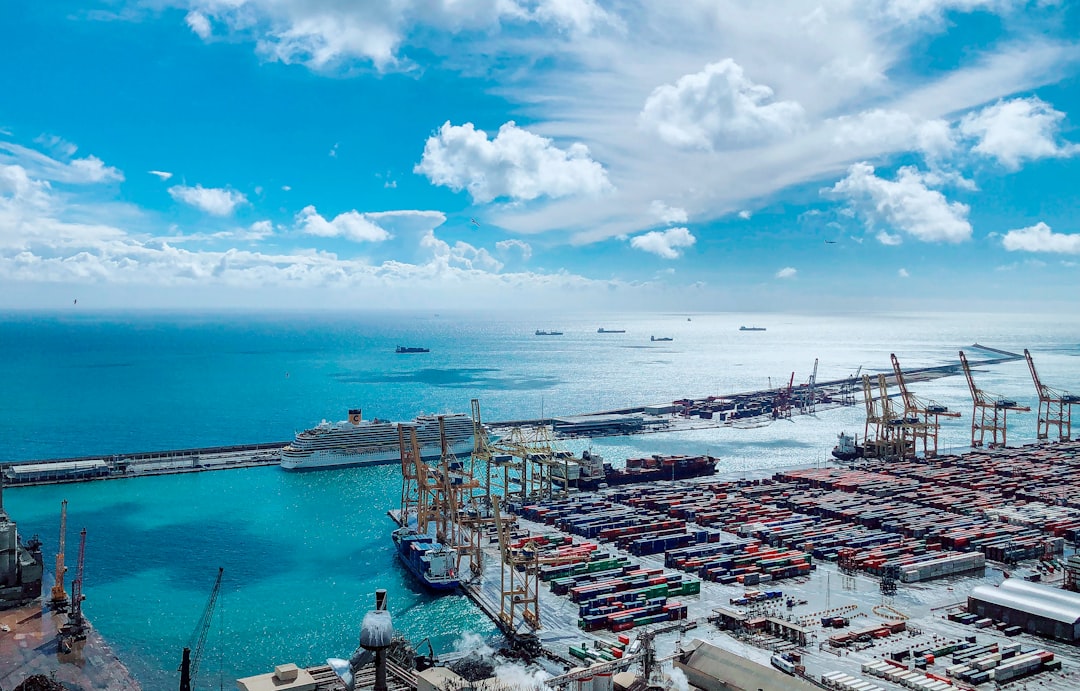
pixel 61 467
pixel 1033 598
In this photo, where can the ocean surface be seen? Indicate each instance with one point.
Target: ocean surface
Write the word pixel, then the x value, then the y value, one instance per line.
pixel 304 553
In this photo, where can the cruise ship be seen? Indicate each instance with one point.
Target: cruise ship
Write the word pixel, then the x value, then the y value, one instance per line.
pixel 359 442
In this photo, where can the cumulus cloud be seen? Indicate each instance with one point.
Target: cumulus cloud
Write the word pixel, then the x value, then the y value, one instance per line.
pixel 667 214
pixel 213 200
pixel 905 205
pixel 515 164
pixel 745 214
pixel 664 243
pixel 903 273
pixel 507 246
pixel 460 254
pixel 1039 238
pixel 161 174
pixel 199 24
pixel 1017 130
pixel 718 108
pixel 351 225
pixel 787 272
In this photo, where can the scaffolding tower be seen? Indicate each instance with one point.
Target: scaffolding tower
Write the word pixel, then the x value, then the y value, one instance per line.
pixel 990 412
pixel 1055 407
pixel 922 420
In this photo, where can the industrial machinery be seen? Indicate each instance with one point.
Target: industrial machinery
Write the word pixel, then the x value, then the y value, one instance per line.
pixel 75 628
pixel 921 420
pixel 1055 407
pixel 990 412
pixel 519 580
pixel 192 656
pixel 59 599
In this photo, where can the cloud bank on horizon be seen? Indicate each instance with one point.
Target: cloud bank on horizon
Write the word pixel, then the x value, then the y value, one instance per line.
pixel 521 152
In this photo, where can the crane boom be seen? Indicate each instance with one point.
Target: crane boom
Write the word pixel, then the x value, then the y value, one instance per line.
pixel 1055 407
pixel 59 596
pixel 189 667
pixel 989 412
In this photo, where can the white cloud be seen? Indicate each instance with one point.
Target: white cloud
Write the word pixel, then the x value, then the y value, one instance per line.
pixel 718 108
pixel 664 243
pixel 506 246
pixel 1017 130
pixel 745 214
pixel 286 188
pixel 889 239
pixel 199 24
pixel 57 144
pixel 667 214
pixel 163 175
pixel 905 204
pixel 213 200
pixel 324 35
pixel 787 272
pixel 333 150
pixel 516 164
pixel 79 171
pixel 903 273
pixel 351 225
pixel 1039 238
pixel 461 254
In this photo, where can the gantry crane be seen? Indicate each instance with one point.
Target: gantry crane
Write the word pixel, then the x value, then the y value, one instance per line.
pixel 1055 407
pixel 989 412
pixel 886 438
pixel 782 400
pixel 59 599
pixel 192 655
pixel 811 405
pixel 519 580
pixel 922 421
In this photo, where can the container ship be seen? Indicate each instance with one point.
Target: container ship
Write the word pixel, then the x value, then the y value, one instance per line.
pixel 590 472
pixel 431 562
pixel 359 442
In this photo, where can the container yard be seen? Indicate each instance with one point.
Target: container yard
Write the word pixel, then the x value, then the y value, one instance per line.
pixel 860 574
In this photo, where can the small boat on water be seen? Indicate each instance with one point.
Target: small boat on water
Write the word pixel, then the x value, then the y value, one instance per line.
pixel 662 338
pixel 409 349
pixel 431 562
pixel 751 328
pixel 847 448
pixel 548 333
pixel 602 330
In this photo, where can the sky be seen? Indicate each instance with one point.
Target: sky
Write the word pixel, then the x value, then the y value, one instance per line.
pixel 700 155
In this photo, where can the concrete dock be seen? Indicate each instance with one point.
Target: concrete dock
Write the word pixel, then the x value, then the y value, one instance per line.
pixel 30 645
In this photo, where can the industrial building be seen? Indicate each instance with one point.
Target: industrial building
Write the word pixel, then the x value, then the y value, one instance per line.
pixel 1035 608
pixel 21 565
pixel 597 425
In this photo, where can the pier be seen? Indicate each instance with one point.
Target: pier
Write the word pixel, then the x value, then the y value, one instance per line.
pixel 735 409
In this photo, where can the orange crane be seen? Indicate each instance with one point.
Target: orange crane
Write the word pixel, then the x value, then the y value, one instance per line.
pixel 59 595
pixel 922 421
pixel 1055 407
pixel 990 412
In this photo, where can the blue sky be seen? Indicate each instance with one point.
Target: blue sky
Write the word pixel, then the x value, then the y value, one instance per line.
pixel 699 155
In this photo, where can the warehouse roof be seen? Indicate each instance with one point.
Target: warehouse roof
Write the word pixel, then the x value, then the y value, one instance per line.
pixel 1040 600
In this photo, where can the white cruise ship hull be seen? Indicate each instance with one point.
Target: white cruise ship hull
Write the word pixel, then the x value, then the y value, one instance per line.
pixel 358 456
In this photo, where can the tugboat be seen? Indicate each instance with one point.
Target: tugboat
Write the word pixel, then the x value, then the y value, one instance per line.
pixel 847 448
pixel 431 562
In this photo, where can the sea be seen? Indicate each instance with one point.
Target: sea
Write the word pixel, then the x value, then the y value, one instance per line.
pixel 303 553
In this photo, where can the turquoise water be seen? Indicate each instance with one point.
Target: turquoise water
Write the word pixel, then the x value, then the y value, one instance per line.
pixel 303 553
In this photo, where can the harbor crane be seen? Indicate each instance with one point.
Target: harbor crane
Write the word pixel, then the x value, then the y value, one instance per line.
pixel 922 420
pixel 59 599
pixel 1055 407
pixel 75 628
pixel 990 412
pixel 192 656
pixel 519 580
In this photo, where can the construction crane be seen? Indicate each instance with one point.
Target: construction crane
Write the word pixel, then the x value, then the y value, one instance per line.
pixel 59 598
pixel 189 664
pixel 1055 407
pixel 989 412
pixel 782 401
pixel 922 421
